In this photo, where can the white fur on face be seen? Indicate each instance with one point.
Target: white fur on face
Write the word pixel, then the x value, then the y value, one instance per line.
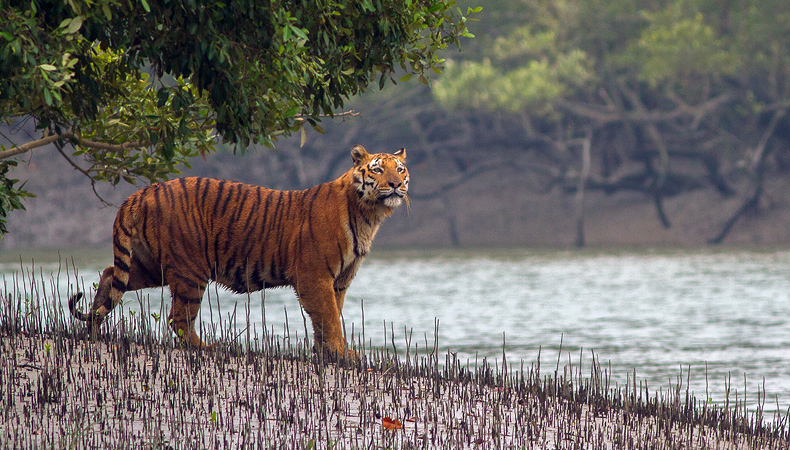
pixel 369 185
pixel 392 202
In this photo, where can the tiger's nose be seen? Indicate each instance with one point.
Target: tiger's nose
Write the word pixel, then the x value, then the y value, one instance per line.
pixel 394 184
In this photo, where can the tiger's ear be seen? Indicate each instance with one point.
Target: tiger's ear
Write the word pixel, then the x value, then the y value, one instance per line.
pixel 401 154
pixel 359 155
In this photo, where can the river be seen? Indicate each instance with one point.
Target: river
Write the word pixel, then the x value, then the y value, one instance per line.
pixel 715 317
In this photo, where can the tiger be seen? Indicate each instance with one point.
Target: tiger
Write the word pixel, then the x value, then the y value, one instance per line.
pixel 188 231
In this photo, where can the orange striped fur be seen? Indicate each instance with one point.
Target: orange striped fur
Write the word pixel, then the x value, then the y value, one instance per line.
pixel 187 231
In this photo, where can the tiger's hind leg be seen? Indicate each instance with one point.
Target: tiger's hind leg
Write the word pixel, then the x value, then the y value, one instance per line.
pixel 142 273
pixel 187 295
pixel 101 301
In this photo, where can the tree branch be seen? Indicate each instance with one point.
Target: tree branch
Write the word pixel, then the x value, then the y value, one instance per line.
pixel 84 172
pixel 585 174
pixel 112 147
pixel 607 115
pixel 46 140
pixel 757 167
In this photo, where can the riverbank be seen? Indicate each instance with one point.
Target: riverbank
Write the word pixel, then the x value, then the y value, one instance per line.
pixel 505 205
pixel 127 389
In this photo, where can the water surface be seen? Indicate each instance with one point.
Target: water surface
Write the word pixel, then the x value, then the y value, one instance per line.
pixel 722 314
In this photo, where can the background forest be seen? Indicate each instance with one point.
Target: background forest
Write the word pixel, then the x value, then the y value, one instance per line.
pixel 584 122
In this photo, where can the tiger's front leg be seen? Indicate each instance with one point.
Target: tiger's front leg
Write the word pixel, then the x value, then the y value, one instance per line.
pixel 318 300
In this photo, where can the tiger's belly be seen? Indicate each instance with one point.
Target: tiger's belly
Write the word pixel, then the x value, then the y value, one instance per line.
pixel 242 281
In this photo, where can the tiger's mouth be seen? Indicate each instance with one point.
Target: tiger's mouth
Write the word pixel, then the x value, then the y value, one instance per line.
pixel 392 199
pixel 394 195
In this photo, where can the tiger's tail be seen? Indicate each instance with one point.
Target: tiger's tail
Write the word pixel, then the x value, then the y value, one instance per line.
pixel 114 279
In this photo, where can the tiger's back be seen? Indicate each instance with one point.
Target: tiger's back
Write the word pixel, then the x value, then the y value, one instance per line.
pixel 227 223
pixel 187 231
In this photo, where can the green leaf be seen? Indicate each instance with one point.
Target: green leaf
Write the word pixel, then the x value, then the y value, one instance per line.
pixel 298 32
pixel 162 95
pixel 74 25
pixel 106 10
pixel 406 77
pixel 145 6
pixel 48 67
pixel 168 150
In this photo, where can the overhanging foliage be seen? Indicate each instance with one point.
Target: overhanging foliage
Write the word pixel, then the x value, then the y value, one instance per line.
pixel 238 72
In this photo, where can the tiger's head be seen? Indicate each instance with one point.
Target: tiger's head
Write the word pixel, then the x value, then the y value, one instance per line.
pixel 380 178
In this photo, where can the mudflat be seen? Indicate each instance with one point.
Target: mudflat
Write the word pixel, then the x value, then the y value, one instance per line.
pixel 125 391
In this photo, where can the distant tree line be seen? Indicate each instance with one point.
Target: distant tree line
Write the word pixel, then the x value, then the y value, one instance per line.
pixel 656 97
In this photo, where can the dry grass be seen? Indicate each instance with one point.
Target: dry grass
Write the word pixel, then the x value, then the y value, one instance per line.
pixel 128 388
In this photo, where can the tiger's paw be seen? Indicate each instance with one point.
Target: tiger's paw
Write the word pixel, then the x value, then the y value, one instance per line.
pixel 337 353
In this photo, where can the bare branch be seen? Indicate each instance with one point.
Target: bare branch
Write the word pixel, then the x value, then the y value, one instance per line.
pixel 608 115
pixel 84 172
pixel 759 152
pixel 350 112
pixel 112 147
pixel 46 140
pixel 459 179
pixel 585 173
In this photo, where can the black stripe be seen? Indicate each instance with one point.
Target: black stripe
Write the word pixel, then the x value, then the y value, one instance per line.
pixel 192 282
pixel 352 225
pixel 121 218
pixel 118 284
pixel 206 186
pixel 220 192
pixel 223 233
pixel 120 264
pixel 198 210
pixel 272 229
pixel 143 222
pixel 185 191
pixel 310 213
pixel 231 228
pixel 117 244
pixel 282 249
pixel 265 216
pixel 239 279
pixel 315 194
pixel 257 280
pixel 185 212
pixel 342 253
pixel 167 190
pixel 156 213
pixel 329 267
pixel 251 228
pixel 234 220
pixel 230 195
